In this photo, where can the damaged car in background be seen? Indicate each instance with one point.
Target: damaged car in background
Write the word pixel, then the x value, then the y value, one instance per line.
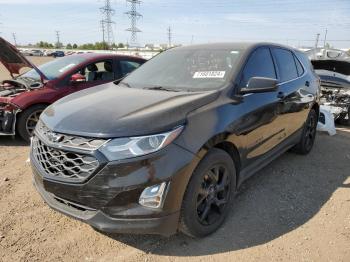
pixel 333 68
pixel 24 97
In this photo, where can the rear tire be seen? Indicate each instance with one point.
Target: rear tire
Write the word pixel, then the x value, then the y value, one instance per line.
pixel 308 135
pixel 27 121
pixel 209 195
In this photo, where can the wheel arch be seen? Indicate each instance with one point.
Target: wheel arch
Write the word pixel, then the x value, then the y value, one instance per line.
pixel 221 141
pixel 19 115
pixel 32 105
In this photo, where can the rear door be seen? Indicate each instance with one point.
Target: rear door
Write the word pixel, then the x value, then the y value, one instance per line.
pixel 292 94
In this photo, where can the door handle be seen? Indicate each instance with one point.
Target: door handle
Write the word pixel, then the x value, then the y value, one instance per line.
pixel 307 83
pixel 281 95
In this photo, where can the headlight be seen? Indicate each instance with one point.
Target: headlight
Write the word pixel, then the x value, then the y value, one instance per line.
pixel 122 148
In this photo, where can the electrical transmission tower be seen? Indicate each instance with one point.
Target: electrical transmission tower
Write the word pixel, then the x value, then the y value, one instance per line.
pixel 317 38
pixel 58 43
pixel 169 31
pixel 134 16
pixel 107 23
pixel 14 38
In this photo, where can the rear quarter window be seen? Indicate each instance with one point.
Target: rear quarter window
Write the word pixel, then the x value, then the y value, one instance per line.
pixel 300 68
pixel 286 65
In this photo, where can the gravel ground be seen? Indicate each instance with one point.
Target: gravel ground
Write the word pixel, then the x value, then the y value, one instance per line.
pixel 295 209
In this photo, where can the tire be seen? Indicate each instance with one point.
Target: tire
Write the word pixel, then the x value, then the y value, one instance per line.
pixel 207 199
pixel 308 135
pixel 27 120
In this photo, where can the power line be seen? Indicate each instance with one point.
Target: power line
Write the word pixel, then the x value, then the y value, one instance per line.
pixel 106 23
pixel 134 16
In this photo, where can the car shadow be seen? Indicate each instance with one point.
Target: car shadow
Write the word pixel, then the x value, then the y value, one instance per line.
pixel 278 199
pixel 12 141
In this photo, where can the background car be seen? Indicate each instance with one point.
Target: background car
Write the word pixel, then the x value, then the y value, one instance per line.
pixel 23 98
pixel 36 53
pixel 57 54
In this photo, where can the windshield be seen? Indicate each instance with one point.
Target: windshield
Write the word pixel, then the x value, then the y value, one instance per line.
pixel 186 70
pixel 55 68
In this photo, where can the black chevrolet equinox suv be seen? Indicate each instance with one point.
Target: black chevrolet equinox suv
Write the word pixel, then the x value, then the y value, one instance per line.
pixel 166 148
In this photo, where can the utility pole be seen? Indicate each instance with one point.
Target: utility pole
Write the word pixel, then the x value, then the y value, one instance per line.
pixel 58 43
pixel 317 38
pixel 106 23
pixel 14 38
pixel 134 16
pixel 169 31
pixel 325 39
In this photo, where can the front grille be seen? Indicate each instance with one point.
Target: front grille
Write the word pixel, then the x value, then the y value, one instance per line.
pixel 71 166
pixel 82 143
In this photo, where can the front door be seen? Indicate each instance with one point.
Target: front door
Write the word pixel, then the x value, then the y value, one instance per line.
pixel 261 126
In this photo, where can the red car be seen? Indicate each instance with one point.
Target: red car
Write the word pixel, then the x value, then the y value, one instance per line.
pixel 25 96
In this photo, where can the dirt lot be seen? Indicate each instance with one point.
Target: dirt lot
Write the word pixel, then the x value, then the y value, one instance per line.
pixel 295 209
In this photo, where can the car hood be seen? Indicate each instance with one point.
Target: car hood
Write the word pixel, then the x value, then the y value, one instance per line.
pixel 13 60
pixel 111 111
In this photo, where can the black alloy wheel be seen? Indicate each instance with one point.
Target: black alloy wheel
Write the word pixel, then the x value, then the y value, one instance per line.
pixel 209 194
pixel 213 194
pixel 310 132
pixel 308 136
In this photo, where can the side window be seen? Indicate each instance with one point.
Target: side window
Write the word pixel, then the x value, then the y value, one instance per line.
pixel 128 66
pixel 99 71
pixel 259 64
pixel 300 68
pixel 286 65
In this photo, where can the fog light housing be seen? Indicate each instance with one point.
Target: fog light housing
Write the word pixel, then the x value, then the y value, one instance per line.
pixel 154 196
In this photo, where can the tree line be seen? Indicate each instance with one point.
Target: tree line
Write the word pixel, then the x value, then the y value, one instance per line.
pixel 88 46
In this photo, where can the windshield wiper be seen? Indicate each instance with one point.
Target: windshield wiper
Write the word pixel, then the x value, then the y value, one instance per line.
pixel 161 88
pixel 124 83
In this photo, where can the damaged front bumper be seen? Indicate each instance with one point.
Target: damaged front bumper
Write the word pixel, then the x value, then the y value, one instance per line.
pixel 8 113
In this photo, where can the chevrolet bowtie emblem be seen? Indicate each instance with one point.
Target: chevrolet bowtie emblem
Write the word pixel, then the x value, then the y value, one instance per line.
pixel 53 137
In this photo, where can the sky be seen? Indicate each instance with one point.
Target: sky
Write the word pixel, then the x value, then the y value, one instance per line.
pixel 293 22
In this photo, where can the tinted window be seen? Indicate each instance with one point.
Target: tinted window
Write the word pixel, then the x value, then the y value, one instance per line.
pixel 299 66
pixel 128 66
pixel 286 65
pixel 259 64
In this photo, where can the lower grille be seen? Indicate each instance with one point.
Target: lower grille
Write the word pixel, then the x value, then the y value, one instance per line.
pixel 71 166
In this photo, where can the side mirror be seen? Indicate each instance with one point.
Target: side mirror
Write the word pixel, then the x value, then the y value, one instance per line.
pixel 260 85
pixel 77 78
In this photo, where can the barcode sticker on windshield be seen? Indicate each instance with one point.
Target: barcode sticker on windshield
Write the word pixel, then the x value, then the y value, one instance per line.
pixel 209 74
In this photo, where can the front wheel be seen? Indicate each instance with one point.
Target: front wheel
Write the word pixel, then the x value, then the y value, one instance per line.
pixel 308 135
pixel 27 121
pixel 208 195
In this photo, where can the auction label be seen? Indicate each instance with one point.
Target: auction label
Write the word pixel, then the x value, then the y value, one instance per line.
pixel 209 74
